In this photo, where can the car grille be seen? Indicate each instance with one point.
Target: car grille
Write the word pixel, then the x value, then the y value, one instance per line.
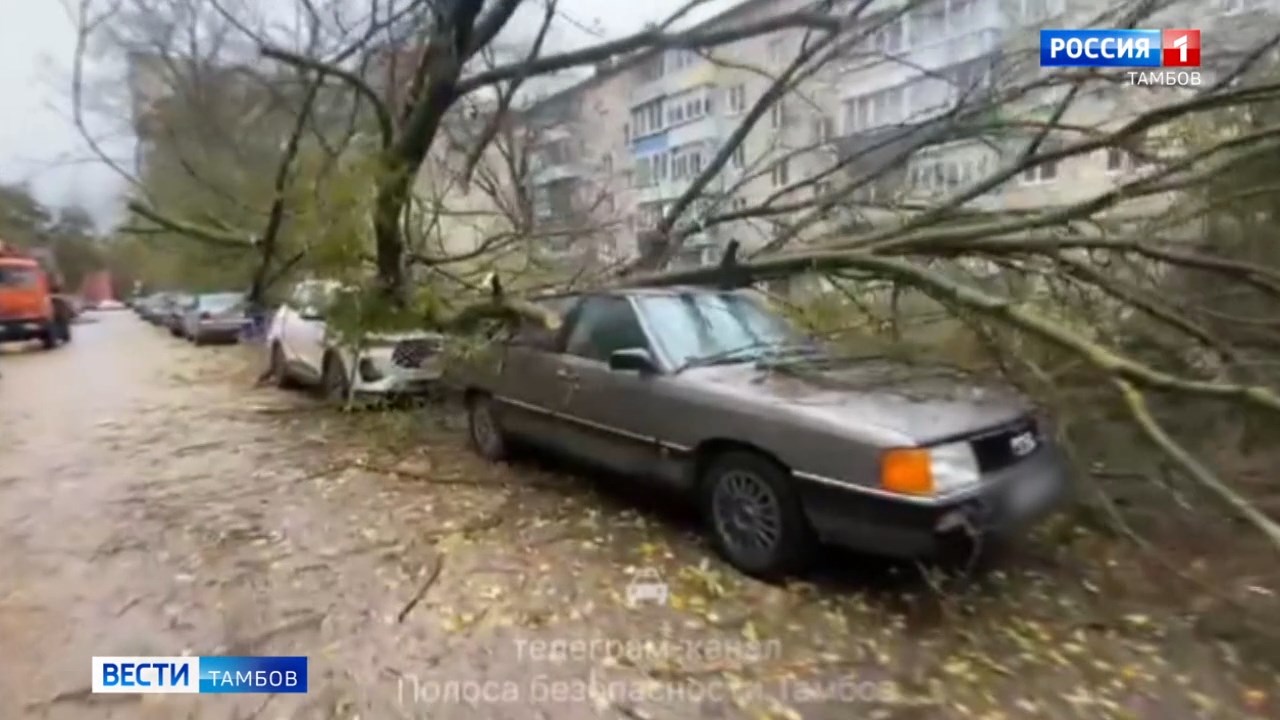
pixel 995 450
pixel 413 353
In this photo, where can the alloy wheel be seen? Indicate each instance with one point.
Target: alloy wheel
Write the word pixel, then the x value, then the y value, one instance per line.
pixel 747 514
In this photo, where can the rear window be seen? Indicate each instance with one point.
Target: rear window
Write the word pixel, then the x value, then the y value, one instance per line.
pixel 15 277
pixel 220 301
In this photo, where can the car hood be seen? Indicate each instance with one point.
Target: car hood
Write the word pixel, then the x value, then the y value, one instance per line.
pixel 919 403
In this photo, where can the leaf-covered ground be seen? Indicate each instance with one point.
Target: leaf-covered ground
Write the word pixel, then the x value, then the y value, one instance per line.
pixel 156 503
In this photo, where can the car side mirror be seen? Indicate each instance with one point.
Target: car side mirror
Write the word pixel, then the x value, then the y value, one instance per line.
pixel 633 359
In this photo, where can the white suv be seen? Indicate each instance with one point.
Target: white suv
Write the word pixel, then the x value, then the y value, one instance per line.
pixel 302 350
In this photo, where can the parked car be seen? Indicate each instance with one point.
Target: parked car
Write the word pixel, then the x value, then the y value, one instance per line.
pixel 174 309
pixel 148 307
pixel 302 349
pixel 214 317
pixel 782 442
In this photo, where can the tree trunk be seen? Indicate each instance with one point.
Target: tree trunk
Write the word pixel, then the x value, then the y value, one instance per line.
pixel 392 195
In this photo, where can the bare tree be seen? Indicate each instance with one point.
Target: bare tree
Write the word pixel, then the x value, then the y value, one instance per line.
pixel 879 208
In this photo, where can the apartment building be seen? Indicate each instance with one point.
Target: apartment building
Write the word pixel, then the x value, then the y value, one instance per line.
pixel 611 154
pixel 616 151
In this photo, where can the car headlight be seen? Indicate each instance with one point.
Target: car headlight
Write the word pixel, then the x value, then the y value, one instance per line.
pixel 932 471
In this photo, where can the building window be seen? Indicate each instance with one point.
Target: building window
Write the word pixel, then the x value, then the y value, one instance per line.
pixel 607 162
pixel 777 114
pixel 737 98
pixel 1120 160
pixel 779 174
pixel 652 69
pixel 738 204
pixel 889 39
pixel 647 119
pixel 684 58
pixel 1115 160
pixel 739 158
pixel 1042 173
pixel 626 132
pixel 886 107
pixel 822 129
pixel 777 49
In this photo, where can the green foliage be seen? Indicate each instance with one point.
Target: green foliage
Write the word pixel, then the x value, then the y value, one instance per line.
pixel 68 232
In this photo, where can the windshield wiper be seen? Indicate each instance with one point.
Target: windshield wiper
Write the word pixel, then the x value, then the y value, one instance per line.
pixel 731 355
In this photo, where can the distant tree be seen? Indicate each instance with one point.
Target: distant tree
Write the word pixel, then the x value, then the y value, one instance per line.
pixel 22 217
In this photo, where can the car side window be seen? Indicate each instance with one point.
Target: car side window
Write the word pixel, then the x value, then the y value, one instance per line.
pixel 537 335
pixel 603 326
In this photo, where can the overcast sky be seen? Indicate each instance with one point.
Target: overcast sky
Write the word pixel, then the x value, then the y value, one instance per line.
pixel 38 141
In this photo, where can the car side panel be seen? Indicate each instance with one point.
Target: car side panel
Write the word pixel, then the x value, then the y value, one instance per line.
pixel 691 416
pixel 530 396
pixel 616 417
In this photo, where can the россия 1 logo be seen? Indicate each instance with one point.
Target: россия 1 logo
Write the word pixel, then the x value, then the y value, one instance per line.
pixel 1127 49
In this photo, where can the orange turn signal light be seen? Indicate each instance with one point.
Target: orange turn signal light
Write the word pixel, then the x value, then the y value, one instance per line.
pixel 906 471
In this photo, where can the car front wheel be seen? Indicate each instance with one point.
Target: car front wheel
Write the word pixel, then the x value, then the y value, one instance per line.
pixel 755 516
pixel 484 432
pixel 277 372
pixel 335 384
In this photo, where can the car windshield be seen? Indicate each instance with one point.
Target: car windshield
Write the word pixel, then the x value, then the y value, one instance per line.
pixel 18 277
pixel 219 302
pixel 699 328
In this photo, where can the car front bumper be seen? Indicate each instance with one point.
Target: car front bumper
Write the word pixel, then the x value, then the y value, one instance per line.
pixel 1007 503
pixel 220 329
pixel 376 374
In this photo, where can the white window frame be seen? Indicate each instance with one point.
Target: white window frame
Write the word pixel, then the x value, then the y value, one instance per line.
pixel 1116 161
pixel 737 100
pixel 780 173
pixel 1035 175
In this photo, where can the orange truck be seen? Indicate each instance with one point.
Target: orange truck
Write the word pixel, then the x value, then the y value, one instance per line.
pixel 29 306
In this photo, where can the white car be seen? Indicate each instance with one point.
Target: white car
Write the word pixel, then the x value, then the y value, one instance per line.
pixel 303 351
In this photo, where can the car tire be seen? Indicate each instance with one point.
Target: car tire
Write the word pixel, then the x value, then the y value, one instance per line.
pixel 484 433
pixel 198 339
pixel 334 382
pixel 64 331
pixel 754 515
pixel 49 338
pixel 277 369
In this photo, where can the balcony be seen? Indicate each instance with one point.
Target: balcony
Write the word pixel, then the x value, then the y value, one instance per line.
pixel 700 130
pixel 673 81
pixel 660 191
pixel 875 148
pixel 919 60
pixel 557 173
